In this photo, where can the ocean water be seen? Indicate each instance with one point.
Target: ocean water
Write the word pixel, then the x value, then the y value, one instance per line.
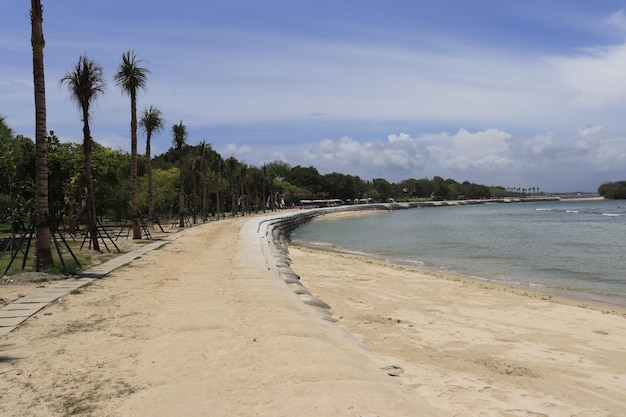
pixel 577 247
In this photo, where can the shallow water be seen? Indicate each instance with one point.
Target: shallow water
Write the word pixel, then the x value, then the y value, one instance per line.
pixel 577 246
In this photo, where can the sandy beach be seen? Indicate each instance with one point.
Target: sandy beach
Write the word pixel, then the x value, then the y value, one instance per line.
pixel 206 326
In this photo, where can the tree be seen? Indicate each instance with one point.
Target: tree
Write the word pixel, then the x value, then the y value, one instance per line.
pixel 43 254
pixel 152 122
pixel 613 190
pixel 85 83
pixel 231 164
pixel 180 137
pixel 205 150
pixel 131 78
pixel 218 167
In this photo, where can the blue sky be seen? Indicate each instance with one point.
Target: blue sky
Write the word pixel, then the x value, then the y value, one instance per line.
pixel 518 94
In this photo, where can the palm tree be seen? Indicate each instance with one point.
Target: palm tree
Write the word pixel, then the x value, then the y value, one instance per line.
pixel 131 78
pixel 218 166
pixel 204 168
pixel 231 163
pixel 85 83
pixel 264 179
pixel 180 136
pixel 43 254
pixel 151 122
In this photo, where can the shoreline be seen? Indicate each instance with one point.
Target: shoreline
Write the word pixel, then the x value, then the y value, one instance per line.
pixel 606 303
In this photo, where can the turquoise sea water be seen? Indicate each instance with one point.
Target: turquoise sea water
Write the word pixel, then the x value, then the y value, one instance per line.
pixel 574 246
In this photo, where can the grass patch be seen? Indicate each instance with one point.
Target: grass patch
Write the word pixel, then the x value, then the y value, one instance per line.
pixel 73 406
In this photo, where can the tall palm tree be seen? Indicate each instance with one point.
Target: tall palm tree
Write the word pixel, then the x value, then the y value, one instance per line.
pixel 180 137
pixel 206 155
pixel 218 167
pixel 43 254
pixel 231 163
pixel 132 78
pixel 264 179
pixel 85 83
pixel 151 122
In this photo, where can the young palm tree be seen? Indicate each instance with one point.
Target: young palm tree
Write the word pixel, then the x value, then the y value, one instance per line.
pixel 180 137
pixel 85 83
pixel 131 78
pixel 43 254
pixel 151 122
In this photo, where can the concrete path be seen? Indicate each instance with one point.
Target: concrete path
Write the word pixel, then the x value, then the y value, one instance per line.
pixel 18 311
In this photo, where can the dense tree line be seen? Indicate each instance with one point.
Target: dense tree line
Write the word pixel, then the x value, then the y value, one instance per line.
pixel 613 190
pixel 212 186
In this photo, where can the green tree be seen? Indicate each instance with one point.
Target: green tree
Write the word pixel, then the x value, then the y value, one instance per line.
pixel 152 122
pixel 132 78
pixel 231 164
pixel 43 253
pixel 613 190
pixel 180 137
pixel 307 178
pixel 66 180
pixel 17 176
pixel 85 83
pixel 205 155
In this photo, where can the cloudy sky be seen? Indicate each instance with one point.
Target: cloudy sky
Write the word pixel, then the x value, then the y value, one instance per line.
pixel 518 94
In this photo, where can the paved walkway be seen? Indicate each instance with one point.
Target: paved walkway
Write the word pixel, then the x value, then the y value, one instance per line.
pixel 18 311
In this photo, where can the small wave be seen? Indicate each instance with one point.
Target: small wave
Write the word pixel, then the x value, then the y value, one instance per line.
pixel 612 214
pixel 573 211
pixel 543 209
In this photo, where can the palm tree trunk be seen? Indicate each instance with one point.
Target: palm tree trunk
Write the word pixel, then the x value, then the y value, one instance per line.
pixel 134 205
pixel 194 187
pixel 217 194
pixel 150 189
pixel 91 203
pixel 181 193
pixel 205 197
pixel 43 254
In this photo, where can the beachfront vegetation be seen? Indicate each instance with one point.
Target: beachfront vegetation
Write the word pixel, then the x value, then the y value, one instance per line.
pixel 190 182
pixel 613 190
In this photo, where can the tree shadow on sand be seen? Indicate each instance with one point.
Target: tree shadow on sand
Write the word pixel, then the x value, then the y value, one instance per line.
pixel 4 358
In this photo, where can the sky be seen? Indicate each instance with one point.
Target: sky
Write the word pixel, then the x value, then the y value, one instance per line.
pixel 518 94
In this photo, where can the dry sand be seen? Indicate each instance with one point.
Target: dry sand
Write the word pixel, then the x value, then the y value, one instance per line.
pixel 205 326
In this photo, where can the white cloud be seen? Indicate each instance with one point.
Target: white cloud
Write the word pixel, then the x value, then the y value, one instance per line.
pixel 492 156
pixel 617 20
pixel 596 76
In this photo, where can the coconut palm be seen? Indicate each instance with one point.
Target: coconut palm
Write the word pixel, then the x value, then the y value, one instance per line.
pixel 43 254
pixel 132 78
pixel 218 167
pixel 151 122
pixel 180 137
pixel 85 83
pixel 200 168
pixel 231 164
